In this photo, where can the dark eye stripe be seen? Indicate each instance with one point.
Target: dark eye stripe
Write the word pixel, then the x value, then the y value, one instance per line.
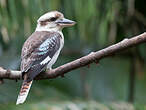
pixel 49 20
pixel 53 19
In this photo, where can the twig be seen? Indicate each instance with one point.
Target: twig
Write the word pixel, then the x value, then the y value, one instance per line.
pixel 81 62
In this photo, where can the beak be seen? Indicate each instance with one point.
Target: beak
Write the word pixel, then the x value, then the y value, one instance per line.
pixel 65 22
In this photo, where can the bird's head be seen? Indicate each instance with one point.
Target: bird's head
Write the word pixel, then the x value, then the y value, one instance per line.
pixel 53 20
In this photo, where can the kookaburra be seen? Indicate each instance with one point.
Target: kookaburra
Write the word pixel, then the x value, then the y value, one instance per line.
pixel 42 48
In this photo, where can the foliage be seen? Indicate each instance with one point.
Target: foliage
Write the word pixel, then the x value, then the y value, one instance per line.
pixel 99 23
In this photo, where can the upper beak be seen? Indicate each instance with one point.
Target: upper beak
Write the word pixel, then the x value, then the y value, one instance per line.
pixel 65 22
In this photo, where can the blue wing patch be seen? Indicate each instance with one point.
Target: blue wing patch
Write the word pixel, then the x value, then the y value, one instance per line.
pixel 42 54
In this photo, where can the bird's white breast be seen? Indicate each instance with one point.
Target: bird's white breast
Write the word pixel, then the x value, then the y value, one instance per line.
pixel 54 58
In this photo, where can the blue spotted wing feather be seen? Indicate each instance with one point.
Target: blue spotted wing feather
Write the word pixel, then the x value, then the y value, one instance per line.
pixel 37 51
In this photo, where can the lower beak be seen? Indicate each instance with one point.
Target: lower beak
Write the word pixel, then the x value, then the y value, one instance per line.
pixel 65 22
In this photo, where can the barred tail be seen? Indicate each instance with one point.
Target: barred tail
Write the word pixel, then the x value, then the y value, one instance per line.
pixel 23 92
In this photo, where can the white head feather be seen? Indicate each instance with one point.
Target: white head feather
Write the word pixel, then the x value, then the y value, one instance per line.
pixel 53 21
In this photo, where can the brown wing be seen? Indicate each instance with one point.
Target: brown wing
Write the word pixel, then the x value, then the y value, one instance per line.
pixel 36 48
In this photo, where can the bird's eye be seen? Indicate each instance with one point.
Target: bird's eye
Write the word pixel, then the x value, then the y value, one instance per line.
pixel 53 19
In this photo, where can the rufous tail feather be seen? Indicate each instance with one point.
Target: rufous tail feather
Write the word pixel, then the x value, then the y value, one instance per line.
pixel 23 92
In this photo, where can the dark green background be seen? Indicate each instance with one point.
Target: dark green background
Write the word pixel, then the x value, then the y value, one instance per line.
pixel 100 23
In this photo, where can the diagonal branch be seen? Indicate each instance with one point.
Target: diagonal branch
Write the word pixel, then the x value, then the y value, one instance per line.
pixel 83 61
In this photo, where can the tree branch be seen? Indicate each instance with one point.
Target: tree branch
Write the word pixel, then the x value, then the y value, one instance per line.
pixel 83 61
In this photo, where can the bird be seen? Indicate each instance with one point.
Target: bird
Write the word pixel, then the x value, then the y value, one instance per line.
pixel 41 50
